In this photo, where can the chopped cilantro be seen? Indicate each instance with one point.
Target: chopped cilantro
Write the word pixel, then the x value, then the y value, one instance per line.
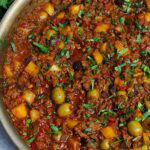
pixel 62 25
pixel 139 38
pixel 31 140
pixel 88 106
pixel 88 115
pixel 12 44
pixel 55 129
pixel 146 69
pixel 65 53
pixel 28 122
pixel 126 6
pixel 81 13
pixel 122 20
pixel 87 130
pixel 89 49
pixel 95 39
pixel 92 83
pixel 55 28
pixel 67 40
pixel 42 48
pixel 119 67
pixel 71 76
pixel 140 27
pixel 122 52
pixel 145 53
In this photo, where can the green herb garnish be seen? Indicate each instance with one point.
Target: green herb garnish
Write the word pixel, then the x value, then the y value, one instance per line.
pixel 139 38
pixel 122 20
pixel 88 106
pixel 87 130
pixel 41 47
pixel 55 129
pixel 12 44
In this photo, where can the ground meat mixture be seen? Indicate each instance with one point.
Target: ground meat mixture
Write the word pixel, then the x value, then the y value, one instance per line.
pixel 77 75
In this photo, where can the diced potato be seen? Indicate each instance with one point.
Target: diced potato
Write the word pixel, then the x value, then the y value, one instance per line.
pixel 98 57
pixel 72 123
pixel 102 28
pixel 119 45
pixel 118 28
pixel 147 80
pixel 17 64
pixel 20 111
pixel 103 47
pixel 118 81
pixel 8 71
pixel 147 16
pixel 74 9
pixel 43 15
pixel 61 15
pixel 138 114
pixel 147 103
pixel 145 147
pixel 148 3
pixel 146 138
pixel 61 45
pixel 35 115
pixel 137 72
pixel 55 68
pixel 49 8
pixel 108 132
pixel 32 69
pixel 74 144
pixel 50 33
pixel 28 96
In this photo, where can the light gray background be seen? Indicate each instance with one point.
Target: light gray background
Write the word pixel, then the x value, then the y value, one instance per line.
pixel 5 142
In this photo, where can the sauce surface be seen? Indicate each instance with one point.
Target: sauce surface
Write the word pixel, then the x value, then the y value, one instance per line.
pixel 77 75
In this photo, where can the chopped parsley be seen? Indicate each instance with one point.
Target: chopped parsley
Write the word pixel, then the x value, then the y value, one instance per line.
pixel 140 27
pixel 95 39
pixel 81 13
pixel 139 38
pixel 41 47
pixel 88 106
pixel 122 20
pixel 87 130
pixel 126 6
pixel 54 129
pixel 145 68
pixel 12 44
pixel 65 52
pixel 55 28
pixel 122 52
pixel 145 53
pixel 119 67
pixel 31 140
pixel 28 122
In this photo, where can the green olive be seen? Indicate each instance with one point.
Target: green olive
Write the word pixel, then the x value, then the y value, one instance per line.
pixel 57 137
pixel 105 145
pixel 64 110
pixel 135 128
pixel 58 95
pixel 93 94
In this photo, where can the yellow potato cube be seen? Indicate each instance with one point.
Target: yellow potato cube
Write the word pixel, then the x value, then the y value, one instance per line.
pixel 72 123
pixel 61 45
pixel 50 33
pixel 8 71
pixel 20 111
pixel 147 16
pixel 108 132
pixel 32 69
pixel 29 96
pixel 49 8
pixel 61 15
pixel 35 115
pixel 146 137
pixel 43 15
pixel 145 147
pixel 17 64
pixel 148 3
pixel 103 47
pixel 147 80
pixel 102 28
pixel 98 57
pixel 74 9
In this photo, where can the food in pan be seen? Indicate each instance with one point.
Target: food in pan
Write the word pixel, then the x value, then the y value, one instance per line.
pixel 77 75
